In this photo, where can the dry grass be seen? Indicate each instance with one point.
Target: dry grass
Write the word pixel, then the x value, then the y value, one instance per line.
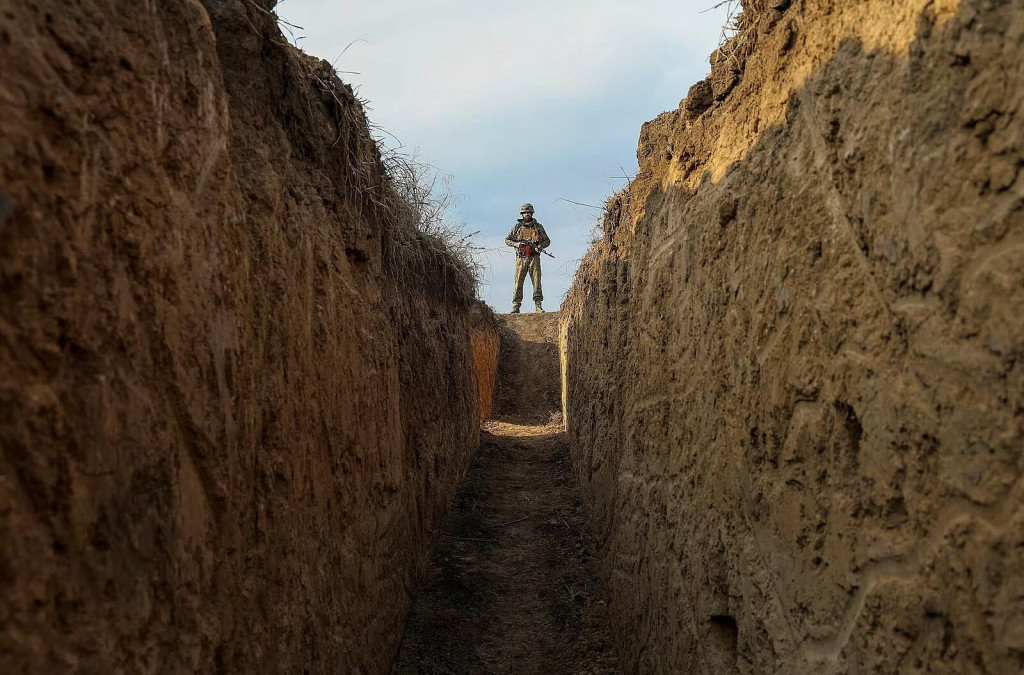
pixel 603 234
pixel 733 9
pixel 429 240
pixel 422 240
pixel 738 35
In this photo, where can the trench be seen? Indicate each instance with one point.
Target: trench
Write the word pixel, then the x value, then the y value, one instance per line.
pixel 512 586
pixel 238 432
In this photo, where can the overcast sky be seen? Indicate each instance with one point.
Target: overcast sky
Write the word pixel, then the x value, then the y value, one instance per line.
pixel 524 101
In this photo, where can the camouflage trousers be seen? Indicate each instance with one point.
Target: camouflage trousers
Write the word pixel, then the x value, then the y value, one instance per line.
pixel 529 266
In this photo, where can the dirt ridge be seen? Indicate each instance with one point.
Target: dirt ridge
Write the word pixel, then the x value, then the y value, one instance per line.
pixel 221 447
pixel 793 380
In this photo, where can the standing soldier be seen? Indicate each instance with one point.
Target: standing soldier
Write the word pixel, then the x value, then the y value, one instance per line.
pixel 529 238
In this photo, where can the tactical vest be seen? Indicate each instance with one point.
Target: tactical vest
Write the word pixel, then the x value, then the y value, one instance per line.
pixel 527 233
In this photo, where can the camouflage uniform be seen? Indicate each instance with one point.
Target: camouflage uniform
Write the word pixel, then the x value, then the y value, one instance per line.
pixel 532 231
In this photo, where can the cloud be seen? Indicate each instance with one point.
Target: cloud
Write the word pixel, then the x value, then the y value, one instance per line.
pixel 526 101
pixel 434 63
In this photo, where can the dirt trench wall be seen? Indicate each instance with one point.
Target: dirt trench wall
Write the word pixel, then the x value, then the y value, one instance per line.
pixel 486 348
pixel 794 365
pixel 228 425
pixel 528 381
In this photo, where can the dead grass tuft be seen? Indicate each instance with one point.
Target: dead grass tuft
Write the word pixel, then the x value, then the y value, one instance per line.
pixel 739 32
pixel 428 240
pixel 422 241
pixel 602 239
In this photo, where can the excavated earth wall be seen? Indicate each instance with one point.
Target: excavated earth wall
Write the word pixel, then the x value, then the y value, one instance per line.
pixel 794 364
pixel 486 346
pixel 528 381
pixel 234 393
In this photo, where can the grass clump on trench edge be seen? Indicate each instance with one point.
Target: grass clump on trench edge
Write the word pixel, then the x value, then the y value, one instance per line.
pixel 422 242
pixel 429 242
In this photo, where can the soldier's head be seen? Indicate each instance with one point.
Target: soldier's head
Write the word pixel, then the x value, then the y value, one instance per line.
pixel 526 211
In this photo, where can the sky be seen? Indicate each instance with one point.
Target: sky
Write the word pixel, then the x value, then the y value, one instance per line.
pixel 528 101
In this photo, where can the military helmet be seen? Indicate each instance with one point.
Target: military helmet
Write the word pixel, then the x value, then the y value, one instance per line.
pixel 526 208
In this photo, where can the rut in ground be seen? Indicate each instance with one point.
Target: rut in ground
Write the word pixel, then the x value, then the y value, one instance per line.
pixel 512 587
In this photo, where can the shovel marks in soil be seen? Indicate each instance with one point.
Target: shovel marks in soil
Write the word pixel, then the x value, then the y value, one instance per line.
pixel 511 588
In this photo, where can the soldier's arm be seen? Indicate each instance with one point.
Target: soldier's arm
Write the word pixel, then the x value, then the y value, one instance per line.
pixel 545 240
pixel 510 240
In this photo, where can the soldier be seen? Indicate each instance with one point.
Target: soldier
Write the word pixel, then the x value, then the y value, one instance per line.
pixel 529 238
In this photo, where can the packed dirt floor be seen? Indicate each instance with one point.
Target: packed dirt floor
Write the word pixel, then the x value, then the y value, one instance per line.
pixel 512 587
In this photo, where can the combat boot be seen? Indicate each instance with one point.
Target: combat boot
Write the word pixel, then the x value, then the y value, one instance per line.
pixel 539 310
pixel 515 309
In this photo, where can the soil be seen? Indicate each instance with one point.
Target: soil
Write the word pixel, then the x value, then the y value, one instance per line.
pixel 529 384
pixel 228 424
pixel 513 586
pixel 795 360
pixel 239 390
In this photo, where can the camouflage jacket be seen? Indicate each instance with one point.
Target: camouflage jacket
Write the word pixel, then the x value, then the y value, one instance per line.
pixel 540 236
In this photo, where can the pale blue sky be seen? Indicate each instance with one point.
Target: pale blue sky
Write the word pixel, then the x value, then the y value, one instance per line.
pixel 517 101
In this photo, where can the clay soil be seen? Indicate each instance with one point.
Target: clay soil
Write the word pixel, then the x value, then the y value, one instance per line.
pixel 512 587
pixel 795 359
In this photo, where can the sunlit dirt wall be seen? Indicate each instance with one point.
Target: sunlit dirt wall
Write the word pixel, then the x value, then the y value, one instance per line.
pixel 484 341
pixel 228 422
pixel 794 364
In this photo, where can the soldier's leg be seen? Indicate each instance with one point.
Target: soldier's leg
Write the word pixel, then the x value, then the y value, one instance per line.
pixel 538 292
pixel 520 279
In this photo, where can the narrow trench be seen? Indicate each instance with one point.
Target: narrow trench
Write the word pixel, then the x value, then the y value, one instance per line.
pixel 513 585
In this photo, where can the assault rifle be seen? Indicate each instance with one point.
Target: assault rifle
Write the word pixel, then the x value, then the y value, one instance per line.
pixel 529 245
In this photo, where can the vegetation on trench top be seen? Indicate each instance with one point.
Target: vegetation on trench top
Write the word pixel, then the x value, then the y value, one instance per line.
pixel 428 243
pixel 425 202
pixel 425 243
